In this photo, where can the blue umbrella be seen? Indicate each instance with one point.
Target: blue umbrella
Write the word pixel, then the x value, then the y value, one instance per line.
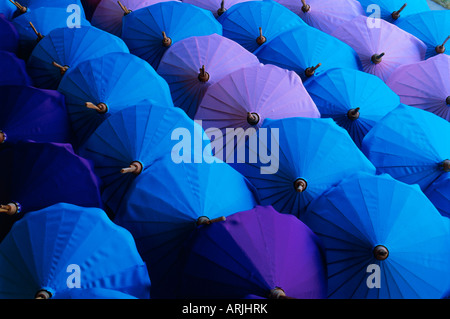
pixel 167 202
pixel 29 113
pixel 307 157
pixel 253 23
pixel 432 27
pixel 383 240
pixel 13 70
pixel 34 4
pixel 410 145
pixel 37 175
pixel 129 141
pixel 439 194
pixel 92 293
pixel 393 10
pixel 35 24
pixel 9 35
pixel 64 48
pixel 149 31
pixel 8 9
pixel 64 247
pixel 308 51
pixel 97 88
pixel 356 100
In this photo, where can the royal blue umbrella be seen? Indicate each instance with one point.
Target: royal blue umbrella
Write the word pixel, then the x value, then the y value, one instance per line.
pixel 8 9
pixel 257 252
pixel 13 70
pixel 130 140
pixel 64 48
pixel 37 175
pixel 393 10
pixel 292 161
pixel 410 145
pixel 383 240
pixel 253 23
pixel 29 113
pixel 35 24
pixel 354 99
pixel 307 51
pixel 432 27
pixel 149 31
pixel 169 200
pixel 65 246
pixel 439 194
pixel 69 5
pixel 93 293
pixel 97 88
pixel 9 35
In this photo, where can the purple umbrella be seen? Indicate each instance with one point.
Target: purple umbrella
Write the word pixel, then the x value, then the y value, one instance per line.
pixel 425 85
pixel 191 65
pixel 109 13
pixel 9 35
pixel 217 7
pixel 31 113
pixel 258 252
pixel 325 15
pixel 244 98
pixel 13 70
pixel 381 48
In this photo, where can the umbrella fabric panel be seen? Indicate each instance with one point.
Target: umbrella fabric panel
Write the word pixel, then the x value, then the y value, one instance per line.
pixel 215 6
pixel 9 35
pixel 13 70
pixel 439 194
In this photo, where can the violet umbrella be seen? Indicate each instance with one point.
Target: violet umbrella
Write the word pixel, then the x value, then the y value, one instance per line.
pixel 29 113
pixel 425 85
pixel 9 35
pixel 108 14
pixel 217 7
pixel 13 70
pixel 191 65
pixel 325 15
pixel 258 252
pixel 243 99
pixel 40 174
pixel 383 48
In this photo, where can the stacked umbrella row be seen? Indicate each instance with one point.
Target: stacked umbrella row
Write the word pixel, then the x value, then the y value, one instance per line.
pixel 139 100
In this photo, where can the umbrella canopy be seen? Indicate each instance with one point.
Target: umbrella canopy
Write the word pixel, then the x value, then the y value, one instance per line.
pixel 354 99
pixel 97 88
pixel 425 85
pixel 243 99
pixel 48 248
pixel 92 293
pixel 408 144
pixel 108 14
pixel 381 49
pixel 35 24
pixel 191 65
pixel 373 227
pixel 30 113
pixel 253 23
pixel 217 7
pixel 393 11
pixel 255 252
pixel 307 51
pixel 64 48
pixel 89 7
pixel 439 194
pixel 13 70
pixel 300 169
pixel 325 15
pixel 9 35
pixel 168 201
pixel 130 140
pixel 150 31
pixel 24 6
pixel 38 175
pixel 8 9
pixel 432 27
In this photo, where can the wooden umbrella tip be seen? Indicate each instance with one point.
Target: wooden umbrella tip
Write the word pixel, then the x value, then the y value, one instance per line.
pixel 135 167
pixel 253 118
pixel 300 185
pixel 447 100
pixel 3 137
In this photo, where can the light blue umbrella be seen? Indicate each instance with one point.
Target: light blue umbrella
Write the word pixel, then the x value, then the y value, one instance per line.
pixel 65 246
pixel 383 240
pixel 439 194
pixel 393 11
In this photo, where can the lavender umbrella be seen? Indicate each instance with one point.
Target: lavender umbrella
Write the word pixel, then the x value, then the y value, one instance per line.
pixel 9 35
pixel 13 70
pixel 257 252
pixel 191 65
pixel 381 48
pixel 425 85
pixel 217 7
pixel 325 15
pixel 109 13
pixel 246 97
